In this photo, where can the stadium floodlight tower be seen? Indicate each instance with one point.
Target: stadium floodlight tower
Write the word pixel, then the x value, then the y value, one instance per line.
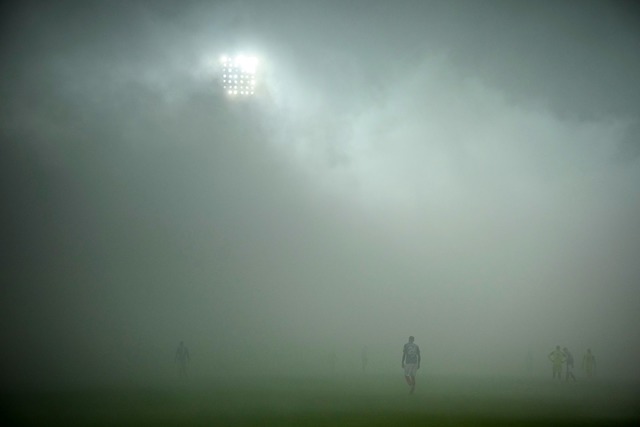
pixel 239 75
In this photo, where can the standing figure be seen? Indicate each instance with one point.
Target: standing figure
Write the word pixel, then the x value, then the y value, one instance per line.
pixel 589 364
pixel 557 359
pixel 411 363
pixel 182 358
pixel 569 364
pixel 364 358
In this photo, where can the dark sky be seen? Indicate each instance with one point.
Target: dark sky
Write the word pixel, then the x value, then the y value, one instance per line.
pixel 464 171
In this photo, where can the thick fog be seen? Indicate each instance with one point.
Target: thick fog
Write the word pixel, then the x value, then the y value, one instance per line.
pixel 464 172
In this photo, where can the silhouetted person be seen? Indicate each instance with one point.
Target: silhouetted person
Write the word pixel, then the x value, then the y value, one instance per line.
pixel 411 363
pixel 364 357
pixel 182 358
pixel 569 364
pixel 589 364
pixel 557 358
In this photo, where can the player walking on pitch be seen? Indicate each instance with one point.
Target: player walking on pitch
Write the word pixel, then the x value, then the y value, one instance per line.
pixel 411 363
pixel 569 364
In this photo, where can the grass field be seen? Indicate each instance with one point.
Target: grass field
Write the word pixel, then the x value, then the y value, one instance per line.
pixel 357 401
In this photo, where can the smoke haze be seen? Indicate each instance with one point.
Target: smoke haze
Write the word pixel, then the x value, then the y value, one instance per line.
pixel 464 172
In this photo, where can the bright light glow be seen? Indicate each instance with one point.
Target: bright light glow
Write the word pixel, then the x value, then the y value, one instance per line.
pixel 239 74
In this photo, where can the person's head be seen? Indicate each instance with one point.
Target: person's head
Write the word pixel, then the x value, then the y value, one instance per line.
pixel 564 349
pixel 557 347
pixel 411 338
pixel 588 350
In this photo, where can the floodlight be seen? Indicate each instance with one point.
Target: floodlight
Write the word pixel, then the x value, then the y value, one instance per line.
pixel 239 74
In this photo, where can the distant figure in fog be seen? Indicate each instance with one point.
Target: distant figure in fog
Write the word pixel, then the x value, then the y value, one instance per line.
pixel 364 357
pixel 411 363
pixel 589 364
pixel 557 359
pixel 182 358
pixel 569 364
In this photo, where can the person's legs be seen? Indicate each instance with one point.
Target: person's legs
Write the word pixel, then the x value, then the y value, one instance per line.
pixel 410 376
pixel 407 374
